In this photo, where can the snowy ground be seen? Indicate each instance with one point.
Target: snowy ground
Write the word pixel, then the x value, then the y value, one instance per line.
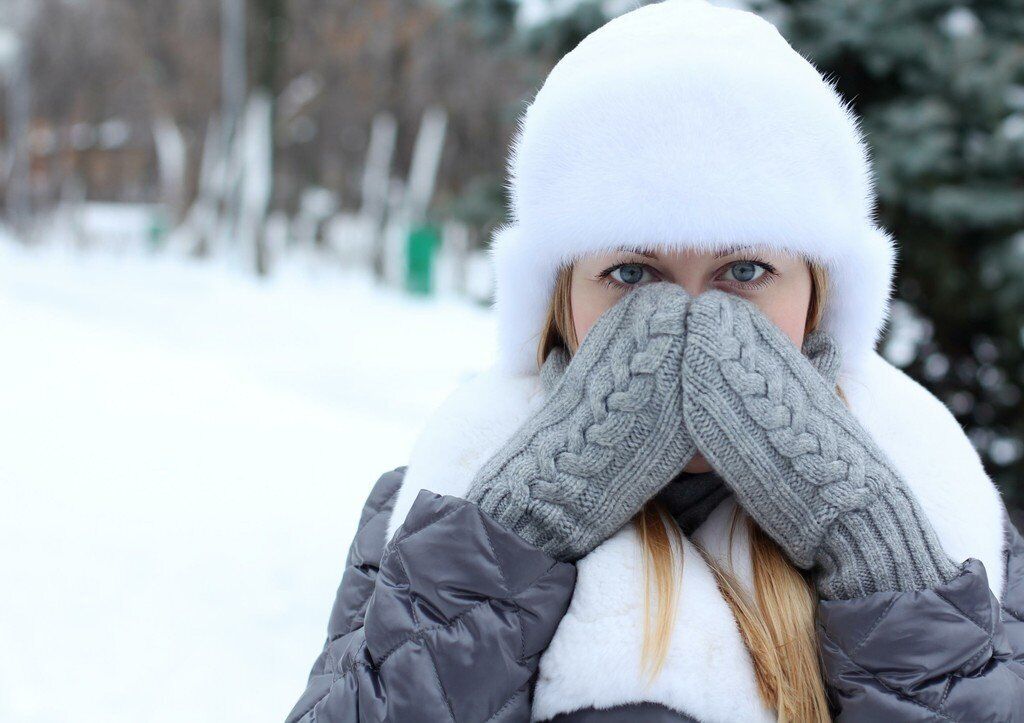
pixel 183 454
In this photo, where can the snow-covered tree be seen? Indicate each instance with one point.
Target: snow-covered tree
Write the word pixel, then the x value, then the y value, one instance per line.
pixel 940 87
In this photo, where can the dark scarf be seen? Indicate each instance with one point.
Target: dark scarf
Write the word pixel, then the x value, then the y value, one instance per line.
pixel 691 497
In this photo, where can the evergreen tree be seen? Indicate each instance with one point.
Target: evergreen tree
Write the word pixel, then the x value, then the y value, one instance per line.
pixel 940 88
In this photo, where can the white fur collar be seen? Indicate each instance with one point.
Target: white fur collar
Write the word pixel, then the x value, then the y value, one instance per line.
pixel 593 659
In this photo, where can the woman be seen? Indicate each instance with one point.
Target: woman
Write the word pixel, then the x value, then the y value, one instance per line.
pixel 690 490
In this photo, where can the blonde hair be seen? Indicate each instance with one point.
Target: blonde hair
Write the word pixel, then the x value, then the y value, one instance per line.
pixel 778 625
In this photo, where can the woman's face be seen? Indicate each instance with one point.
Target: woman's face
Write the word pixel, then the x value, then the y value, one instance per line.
pixel 779 283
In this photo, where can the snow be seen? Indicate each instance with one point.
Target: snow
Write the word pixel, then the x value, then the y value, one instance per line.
pixel 184 451
pixel 960 22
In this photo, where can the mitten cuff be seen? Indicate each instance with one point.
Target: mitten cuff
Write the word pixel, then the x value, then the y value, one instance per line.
pixel 889 545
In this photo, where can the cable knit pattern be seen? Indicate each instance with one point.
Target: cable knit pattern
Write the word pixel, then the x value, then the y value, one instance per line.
pixel 690 497
pixel 769 420
pixel 608 437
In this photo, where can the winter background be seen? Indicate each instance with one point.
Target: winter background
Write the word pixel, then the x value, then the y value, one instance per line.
pixel 243 256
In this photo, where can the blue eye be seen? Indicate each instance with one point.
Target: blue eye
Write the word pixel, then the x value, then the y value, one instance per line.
pixel 745 271
pixel 628 274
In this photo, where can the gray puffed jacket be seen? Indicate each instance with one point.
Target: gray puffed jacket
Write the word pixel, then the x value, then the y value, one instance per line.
pixel 448 620
pixel 444 615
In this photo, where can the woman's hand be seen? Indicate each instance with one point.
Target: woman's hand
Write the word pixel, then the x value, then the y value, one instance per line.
pixel 770 422
pixel 609 436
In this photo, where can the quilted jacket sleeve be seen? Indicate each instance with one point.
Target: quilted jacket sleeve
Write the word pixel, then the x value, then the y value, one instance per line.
pixel 446 621
pixel 1013 589
pixel 951 653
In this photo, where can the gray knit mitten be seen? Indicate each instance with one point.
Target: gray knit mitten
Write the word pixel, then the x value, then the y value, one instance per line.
pixel 767 418
pixel 690 497
pixel 607 438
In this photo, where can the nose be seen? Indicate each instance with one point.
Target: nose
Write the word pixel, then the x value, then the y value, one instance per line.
pixel 693 285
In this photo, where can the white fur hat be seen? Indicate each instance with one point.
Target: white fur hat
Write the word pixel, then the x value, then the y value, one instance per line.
pixel 686 125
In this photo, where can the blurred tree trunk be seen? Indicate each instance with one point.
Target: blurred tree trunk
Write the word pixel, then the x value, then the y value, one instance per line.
pixel 270 33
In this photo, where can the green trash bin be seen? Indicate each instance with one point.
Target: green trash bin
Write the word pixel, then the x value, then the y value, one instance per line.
pixel 158 228
pixel 421 248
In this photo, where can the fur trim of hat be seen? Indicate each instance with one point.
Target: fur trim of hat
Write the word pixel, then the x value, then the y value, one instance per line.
pixel 684 125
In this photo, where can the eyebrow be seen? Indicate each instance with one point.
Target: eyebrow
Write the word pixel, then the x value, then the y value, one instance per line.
pixel 718 255
pixel 731 250
pixel 641 252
